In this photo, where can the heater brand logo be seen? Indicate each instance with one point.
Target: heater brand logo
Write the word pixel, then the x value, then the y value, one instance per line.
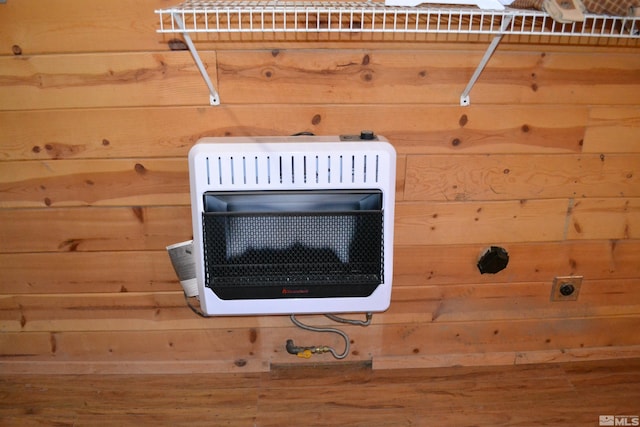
pixel 294 291
pixel 619 420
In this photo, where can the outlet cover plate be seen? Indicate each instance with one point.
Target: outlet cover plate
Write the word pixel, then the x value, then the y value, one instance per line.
pixel 560 282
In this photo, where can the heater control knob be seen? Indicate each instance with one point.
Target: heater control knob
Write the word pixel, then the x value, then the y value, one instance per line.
pixel 367 135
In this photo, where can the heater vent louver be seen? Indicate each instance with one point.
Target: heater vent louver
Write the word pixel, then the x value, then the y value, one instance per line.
pixel 279 170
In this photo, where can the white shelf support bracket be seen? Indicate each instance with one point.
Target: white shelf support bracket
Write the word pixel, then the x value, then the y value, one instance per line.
pixel 464 98
pixel 214 98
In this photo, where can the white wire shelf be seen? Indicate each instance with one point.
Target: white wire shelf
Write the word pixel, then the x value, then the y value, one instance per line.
pixel 229 16
pixel 273 16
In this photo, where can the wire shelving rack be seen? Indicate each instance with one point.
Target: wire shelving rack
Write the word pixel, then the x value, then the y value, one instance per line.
pixel 272 16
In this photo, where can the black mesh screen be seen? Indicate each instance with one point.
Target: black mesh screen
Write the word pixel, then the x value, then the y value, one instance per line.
pixel 264 255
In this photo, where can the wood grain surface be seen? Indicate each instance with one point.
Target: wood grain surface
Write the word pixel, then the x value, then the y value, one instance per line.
pixel 98 113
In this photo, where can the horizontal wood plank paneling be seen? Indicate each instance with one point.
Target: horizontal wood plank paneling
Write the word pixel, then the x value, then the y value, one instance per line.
pixel 149 182
pixel 97 116
pixel 507 302
pixel 137 228
pixel 436 178
pixel 455 264
pixel 93 229
pixel 418 304
pixel 507 177
pixel 77 271
pixel 615 218
pixel 502 336
pixel 435 265
pixel 401 171
pixel 103 80
pixel 94 182
pixel 505 358
pixel 132 345
pixel 431 77
pixel 405 339
pixel 43 26
pixel 432 178
pixel 613 130
pixel 171 78
pixel 337 77
pixel 161 132
pixel 480 222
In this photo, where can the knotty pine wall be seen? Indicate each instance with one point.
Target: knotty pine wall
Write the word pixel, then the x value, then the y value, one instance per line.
pixel 97 115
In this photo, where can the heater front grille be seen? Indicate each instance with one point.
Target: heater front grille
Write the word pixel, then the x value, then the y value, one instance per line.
pixel 267 255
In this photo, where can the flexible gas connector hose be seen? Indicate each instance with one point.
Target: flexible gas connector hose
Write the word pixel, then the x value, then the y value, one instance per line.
pixel 306 352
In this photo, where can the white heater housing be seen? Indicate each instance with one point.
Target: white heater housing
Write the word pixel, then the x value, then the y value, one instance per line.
pixel 285 202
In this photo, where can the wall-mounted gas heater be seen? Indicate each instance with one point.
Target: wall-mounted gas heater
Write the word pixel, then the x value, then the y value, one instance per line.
pixel 287 225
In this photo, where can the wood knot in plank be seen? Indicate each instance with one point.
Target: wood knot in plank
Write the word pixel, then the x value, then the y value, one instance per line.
pixel 139 168
pixel 138 212
pixel 57 150
pixel 177 44
pixel 71 245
